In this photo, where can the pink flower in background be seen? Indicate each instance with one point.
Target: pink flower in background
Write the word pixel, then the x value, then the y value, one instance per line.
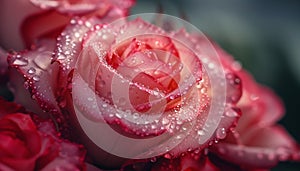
pixel 33 19
pixel 27 146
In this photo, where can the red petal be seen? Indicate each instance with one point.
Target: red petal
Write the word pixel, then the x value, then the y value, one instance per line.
pixel 37 26
pixel 9 107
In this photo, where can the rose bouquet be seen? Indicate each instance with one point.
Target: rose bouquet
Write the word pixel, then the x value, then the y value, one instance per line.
pixel 144 92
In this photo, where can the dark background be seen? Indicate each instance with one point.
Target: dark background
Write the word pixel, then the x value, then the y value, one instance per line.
pixel 263 35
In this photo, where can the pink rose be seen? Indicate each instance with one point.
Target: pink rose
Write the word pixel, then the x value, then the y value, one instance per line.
pixel 134 80
pixel 28 20
pixel 27 146
pixel 132 90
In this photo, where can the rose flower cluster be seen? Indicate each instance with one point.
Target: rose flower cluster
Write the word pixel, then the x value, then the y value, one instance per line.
pixel 96 89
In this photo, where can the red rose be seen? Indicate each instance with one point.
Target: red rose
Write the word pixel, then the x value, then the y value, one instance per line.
pixel 27 146
pixel 163 91
pixel 27 20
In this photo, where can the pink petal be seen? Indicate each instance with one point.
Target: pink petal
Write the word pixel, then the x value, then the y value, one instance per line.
pixel 39 78
pixel 264 149
pixel 82 6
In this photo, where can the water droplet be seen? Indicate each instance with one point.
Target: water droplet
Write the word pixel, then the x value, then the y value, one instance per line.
pixel 172 97
pixel 31 70
pixel 61 57
pixel 167 155
pixel 73 21
pixel 104 36
pixel 165 121
pixel 20 62
pixel 36 78
pixel 237 66
pixel 200 132
pixel 211 65
pixel 118 115
pixel 203 90
pixel 42 61
pixel 26 85
pixel 153 126
pixel 153 159
pixel 254 97
pixel 221 133
pixel 199 85
pixel 231 113
pixel 135 115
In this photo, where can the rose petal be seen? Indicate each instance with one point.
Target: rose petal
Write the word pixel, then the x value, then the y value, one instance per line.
pixel 39 78
pixel 81 7
pixel 36 26
pixel 24 138
pixel 268 147
pixel 9 107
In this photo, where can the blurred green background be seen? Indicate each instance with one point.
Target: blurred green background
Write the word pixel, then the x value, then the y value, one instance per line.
pixel 263 35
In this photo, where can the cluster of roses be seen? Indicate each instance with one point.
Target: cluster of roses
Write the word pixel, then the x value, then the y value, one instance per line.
pixel 79 60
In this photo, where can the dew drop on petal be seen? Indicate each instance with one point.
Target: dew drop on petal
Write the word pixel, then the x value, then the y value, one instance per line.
pixel 153 160
pixel 237 66
pixel 20 62
pixel 231 113
pixel 201 132
pixel 165 121
pixel 221 133
pixel 31 70
pixel 36 78
pixel 167 155
pixel 61 57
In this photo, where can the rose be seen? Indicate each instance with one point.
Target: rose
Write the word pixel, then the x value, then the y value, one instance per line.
pixel 173 88
pixel 27 20
pixel 26 145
